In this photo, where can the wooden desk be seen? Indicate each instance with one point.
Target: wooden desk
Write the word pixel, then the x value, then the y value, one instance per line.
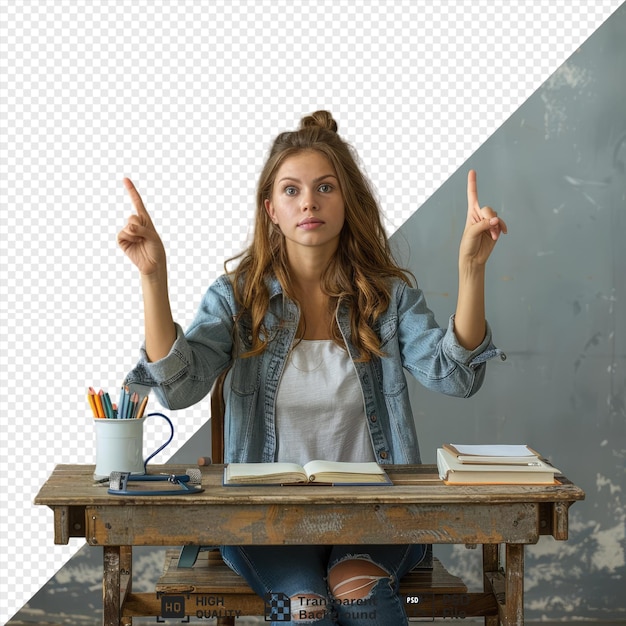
pixel 418 508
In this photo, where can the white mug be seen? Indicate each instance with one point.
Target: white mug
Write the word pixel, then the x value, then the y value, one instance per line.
pixel 119 445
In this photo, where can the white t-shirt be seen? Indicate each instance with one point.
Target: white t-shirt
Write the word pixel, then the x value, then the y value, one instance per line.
pixel 320 410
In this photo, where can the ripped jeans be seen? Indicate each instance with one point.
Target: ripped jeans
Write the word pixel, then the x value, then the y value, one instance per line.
pixel 327 585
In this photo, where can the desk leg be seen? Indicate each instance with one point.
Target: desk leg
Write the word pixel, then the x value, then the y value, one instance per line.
pixel 117 580
pixel 111 586
pixel 491 563
pixel 514 582
pixel 126 580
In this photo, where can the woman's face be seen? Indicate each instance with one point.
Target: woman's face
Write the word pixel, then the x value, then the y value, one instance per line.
pixel 307 203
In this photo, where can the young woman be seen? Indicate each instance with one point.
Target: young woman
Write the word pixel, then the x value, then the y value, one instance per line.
pixel 316 325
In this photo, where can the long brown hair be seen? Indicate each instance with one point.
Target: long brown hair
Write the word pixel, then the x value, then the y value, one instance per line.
pixel 358 274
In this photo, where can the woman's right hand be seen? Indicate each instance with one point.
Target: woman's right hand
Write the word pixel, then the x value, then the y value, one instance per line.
pixel 139 239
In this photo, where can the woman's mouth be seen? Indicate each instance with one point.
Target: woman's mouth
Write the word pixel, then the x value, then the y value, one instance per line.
pixel 310 223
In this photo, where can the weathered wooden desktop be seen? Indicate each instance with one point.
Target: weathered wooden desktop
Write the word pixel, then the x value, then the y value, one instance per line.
pixel 418 508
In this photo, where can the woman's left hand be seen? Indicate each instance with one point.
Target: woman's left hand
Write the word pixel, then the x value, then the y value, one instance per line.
pixel 482 228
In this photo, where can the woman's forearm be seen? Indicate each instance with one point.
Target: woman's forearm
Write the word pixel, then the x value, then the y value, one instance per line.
pixel 160 332
pixel 469 321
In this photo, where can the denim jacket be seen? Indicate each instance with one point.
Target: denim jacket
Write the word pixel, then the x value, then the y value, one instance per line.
pixel 410 338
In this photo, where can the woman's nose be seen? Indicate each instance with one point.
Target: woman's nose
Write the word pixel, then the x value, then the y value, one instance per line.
pixel 309 201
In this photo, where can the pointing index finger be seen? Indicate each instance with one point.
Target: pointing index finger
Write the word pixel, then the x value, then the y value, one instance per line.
pixel 472 190
pixel 135 198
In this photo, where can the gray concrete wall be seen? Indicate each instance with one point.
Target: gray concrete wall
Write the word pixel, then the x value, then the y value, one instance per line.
pixel 556 301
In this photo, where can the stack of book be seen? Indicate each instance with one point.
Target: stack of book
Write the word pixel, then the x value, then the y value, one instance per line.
pixel 493 464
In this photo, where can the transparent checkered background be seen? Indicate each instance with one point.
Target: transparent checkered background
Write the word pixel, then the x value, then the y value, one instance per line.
pixel 185 97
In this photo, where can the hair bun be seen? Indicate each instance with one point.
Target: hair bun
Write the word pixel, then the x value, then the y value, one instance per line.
pixel 320 119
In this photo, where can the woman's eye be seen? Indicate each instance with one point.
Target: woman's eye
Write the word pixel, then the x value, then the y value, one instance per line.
pixel 325 188
pixel 290 191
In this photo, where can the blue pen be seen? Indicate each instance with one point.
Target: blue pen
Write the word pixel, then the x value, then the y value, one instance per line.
pixel 121 407
pixel 128 408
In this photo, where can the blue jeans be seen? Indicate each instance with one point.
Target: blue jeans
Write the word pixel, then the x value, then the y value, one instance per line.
pixel 278 573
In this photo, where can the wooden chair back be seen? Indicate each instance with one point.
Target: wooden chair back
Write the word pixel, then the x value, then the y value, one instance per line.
pixel 218 408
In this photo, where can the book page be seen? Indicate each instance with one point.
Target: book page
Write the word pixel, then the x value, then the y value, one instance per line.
pixel 259 470
pixel 341 467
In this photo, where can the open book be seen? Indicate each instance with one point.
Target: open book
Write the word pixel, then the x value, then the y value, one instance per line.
pixel 532 470
pixel 315 472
